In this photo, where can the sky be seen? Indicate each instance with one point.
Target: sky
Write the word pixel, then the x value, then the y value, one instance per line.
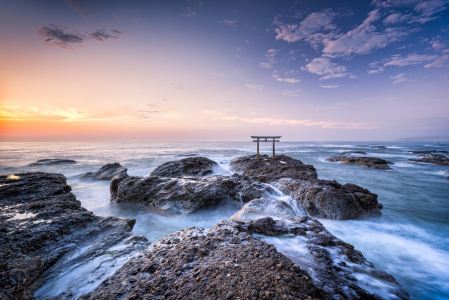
pixel 203 70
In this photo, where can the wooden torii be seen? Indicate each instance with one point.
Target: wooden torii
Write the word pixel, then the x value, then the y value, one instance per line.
pixel 259 138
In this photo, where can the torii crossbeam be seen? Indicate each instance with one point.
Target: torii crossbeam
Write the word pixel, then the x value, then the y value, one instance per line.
pixel 260 138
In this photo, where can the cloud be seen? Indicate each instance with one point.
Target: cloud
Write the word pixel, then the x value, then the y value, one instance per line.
pixel 324 66
pixel 270 55
pixel 254 86
pixel 329 86
pixel 375 71
pixel 399 78
pixel 60 36
pixel 172 116
pixel 288 80
pixel 102 35
pixel 80 7
pixel 441 61
pixel 313 23
pixel 307 123
pixel 229 22
pixel 293 93
pixel 178 87
pixel 437 44
pixel 422 11
pixel 411 59
pixel 190 12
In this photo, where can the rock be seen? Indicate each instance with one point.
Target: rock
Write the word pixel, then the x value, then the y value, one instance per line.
pixel 353 152
pixel 320 198
pixel 268 169
pixel 320 266
pixel 45 235
pixel 433 156
pixel 192 166
pixel 447 178
pixel 379 147
pixel 178 196
pixel 187 155
pixel 107 172
pixel 431 160
pixel 264 207
pixel 329 199
pixel 53 161
pixel 367 162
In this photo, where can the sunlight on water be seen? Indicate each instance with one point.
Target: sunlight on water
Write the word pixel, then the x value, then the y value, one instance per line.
pixel 410 240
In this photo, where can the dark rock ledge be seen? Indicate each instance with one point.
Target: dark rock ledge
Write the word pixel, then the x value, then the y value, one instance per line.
pixel 436 159
pixel 107 172
pixel 53 161
pixel 229 262
pixel 192 166
pixel 318 198
pixel 367 162
pixel 45 234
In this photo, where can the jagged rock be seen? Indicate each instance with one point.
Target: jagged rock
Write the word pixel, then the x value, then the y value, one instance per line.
pixel 353 152
pixel 427 151
pixel 228 262
pixel 332 200
pixel 107 172
pixel 268 169
pixel 45 234
pixel 367 162
pixel 53 161
pixel 320 198
pixel 431 160
pixel 264 207
pixel 192 166
pixel 379 147
pixel 174 196
pixel 433 156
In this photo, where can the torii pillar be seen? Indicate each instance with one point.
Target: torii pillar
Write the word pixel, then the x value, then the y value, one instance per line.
pixel 264 138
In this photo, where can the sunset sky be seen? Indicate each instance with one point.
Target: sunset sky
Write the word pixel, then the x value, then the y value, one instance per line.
pixel 208 70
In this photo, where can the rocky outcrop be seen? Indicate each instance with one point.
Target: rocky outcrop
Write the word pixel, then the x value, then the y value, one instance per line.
pixel 367 162
pixel 228 262
pixel 379 147
pixel 177 196
pixel 264 207
pixel 45 235
pixel 318 198
pixel 192 166
pixel 353 152
pixel 431 160
pixel 53 161
pixel 107 172
pixel 332 200
pixel 268 169
pixel 427 151
pixel 434 156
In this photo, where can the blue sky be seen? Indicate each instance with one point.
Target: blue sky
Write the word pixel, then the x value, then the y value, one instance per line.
pixel 224 70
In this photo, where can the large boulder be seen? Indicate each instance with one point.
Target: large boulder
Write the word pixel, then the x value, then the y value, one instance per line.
pixel 47 237
pixel 53 161
pixel 192 166
pixel 269 169
pixel 178 196
pixel 228 262
pixel 107 172
pixel 367 162
pixel 264 207
pixel 332 200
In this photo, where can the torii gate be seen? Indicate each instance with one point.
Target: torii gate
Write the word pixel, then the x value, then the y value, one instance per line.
pixel 265 139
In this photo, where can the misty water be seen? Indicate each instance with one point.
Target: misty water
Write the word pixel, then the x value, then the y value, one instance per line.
pixel 410 240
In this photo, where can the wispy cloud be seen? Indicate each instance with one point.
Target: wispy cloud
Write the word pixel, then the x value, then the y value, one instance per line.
pixel 254 86
pixel 324 67
pixel 399 78
pixel 308 123
pixel 329 86
pixel 293 93
pixel 271 57
pixel 102 35
pixel 288 80
pixel 80 7
pixel 229 22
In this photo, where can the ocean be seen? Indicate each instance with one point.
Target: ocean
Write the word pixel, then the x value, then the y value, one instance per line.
pixel 410 240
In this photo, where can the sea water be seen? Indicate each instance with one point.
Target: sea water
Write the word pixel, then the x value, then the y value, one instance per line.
pixel 410 240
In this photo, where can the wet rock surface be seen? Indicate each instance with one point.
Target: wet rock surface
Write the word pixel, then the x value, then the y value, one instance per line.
pixel 427 151
pixel 379 147
pixel 229 262
pixel 353 152
pixel 268 169
pixel 264 207
pixel 332 200
pixel 367 162
pixel 43 229
pixel 179 196
pixel 318 198
pixel 432 159
pixel 192 166
pixel 53 161
pixel 107 172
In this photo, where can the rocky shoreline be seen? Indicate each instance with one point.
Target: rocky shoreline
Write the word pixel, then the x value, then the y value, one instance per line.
pixel 367 162
pixel 46 236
